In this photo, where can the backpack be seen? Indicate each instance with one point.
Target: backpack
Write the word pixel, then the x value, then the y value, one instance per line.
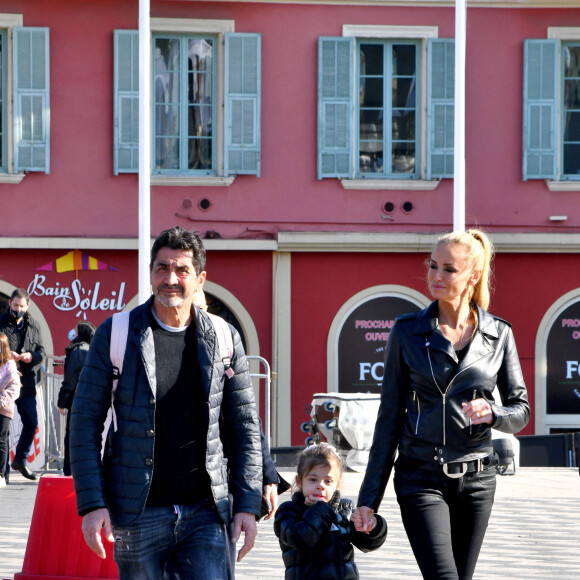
pixel 119 333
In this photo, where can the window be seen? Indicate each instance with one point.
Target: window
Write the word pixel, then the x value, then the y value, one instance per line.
pixel 205 101
pixel 24 99
pixel 385 106
pixel 551 124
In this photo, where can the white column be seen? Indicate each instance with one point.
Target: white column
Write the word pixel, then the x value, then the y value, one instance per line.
pixel 459 136
pixel 144 149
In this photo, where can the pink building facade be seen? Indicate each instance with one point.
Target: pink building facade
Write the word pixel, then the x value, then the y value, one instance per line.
pixel 318 191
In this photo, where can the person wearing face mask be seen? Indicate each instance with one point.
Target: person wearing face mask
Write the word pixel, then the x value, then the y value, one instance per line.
pixel 25 340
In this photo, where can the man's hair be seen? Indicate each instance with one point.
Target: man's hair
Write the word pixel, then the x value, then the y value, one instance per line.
pixel 177 238
pixel 20 293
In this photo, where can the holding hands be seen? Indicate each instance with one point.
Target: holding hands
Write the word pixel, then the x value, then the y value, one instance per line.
pixel 364 519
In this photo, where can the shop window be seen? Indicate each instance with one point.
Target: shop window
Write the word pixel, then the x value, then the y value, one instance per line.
pixel 372 92
pixel 205 100
pixel 551 124
pixel 24 99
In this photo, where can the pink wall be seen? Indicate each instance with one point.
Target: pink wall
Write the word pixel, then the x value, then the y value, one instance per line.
pixel 82 197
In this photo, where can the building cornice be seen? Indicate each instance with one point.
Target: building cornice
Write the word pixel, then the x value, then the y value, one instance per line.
pixel 547 243
pixel 554 4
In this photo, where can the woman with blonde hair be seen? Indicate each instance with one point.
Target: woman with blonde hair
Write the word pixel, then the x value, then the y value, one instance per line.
pixel 437 410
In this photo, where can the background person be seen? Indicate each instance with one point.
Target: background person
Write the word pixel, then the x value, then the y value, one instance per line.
pixel 25 340
pixel 315 529
pixel 437 409
pixel 75 356
pixel 9 391
pixel 164 486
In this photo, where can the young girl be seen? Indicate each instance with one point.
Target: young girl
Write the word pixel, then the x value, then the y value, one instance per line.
pixel 9 391
pixel 315 529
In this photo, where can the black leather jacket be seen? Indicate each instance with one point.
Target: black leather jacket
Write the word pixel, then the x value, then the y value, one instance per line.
pixel 424 386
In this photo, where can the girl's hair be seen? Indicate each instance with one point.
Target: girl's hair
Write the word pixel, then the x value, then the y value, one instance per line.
pixel 5 349
pixel 85 333
pixel 478 254
pixel 321 454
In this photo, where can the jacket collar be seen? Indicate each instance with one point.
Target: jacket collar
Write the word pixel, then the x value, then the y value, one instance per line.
pixel 426 324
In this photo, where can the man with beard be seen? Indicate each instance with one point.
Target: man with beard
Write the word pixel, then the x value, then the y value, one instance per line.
pixel 165 489
pixel 25 340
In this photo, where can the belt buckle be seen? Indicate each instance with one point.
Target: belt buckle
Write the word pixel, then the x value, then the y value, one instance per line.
pixel 455 475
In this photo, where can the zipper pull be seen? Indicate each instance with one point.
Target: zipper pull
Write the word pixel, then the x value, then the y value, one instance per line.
pixel 470 423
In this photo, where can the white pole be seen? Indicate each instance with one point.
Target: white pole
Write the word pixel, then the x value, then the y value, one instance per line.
pixel 144 149
pixel 459 135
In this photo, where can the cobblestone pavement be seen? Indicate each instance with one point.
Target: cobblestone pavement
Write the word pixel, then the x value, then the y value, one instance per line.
pixel 534 531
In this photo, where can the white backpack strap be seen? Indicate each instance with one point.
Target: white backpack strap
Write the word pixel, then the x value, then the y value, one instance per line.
pixel 225 342
pixel 119 333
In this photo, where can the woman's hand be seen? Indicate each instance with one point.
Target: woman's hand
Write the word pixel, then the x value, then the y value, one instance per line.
pixel 363 519
pixel 478 411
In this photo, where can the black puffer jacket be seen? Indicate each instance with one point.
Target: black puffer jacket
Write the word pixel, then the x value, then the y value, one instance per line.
pixel 122 482
pixel 317 541
pixel 74 361
pixel 424 387
pixel 32 344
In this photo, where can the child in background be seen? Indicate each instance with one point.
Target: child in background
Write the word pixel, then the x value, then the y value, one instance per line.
pixel 315 529
pixel 9 391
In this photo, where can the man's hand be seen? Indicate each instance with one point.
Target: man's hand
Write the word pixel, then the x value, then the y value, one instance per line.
pixel 246 523
pixel 271 497
pixel 62 411
pixel 25 357
pixel 93 523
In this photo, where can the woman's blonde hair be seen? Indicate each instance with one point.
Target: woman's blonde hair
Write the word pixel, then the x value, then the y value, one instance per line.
pixel 5 351
pixel 478 254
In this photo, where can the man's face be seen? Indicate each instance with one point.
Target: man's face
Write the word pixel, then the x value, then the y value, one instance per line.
pixel 173 278
pixel 18 306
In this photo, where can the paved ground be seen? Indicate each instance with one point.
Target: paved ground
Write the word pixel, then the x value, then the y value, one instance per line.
pixel 534 531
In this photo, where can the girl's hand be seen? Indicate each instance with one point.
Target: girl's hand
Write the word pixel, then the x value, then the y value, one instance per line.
pixel 311 499
pixel 478 411
pixel 363 519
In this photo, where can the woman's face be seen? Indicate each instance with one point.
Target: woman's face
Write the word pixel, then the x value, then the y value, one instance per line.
pixel 450 277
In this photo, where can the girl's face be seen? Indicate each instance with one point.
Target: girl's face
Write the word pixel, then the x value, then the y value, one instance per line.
pixel 450 278
pixel 320 483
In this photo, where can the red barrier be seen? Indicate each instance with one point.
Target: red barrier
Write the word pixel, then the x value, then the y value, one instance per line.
pixel 56 549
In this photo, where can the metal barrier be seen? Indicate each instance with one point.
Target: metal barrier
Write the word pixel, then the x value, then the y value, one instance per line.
pixel 267 392
pixel 54 423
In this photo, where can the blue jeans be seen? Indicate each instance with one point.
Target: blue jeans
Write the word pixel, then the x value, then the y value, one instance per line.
pixel 27 410
pixel 178 542
pixel 445 519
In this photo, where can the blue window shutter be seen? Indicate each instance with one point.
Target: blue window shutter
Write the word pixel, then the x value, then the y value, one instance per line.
pixel 126 102
pixel 243 104
pixel 440 107
pixel 540 109
pixel 335 107
pixel 31 100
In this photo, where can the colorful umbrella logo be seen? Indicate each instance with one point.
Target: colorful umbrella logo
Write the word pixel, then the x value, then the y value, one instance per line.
pixel 75 260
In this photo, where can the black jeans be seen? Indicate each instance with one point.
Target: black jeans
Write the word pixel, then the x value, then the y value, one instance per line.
pixel 4 432
pixel 445 519
pixel 27 410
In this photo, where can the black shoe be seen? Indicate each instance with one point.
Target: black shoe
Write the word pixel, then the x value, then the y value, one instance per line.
pixel 19 466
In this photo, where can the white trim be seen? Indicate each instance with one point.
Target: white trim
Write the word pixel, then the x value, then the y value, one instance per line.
pixel 282 349
pixel 12 178
pixel 192 25
pixel 562 185
pixel 378 31
pixel 390 290
pixel 564 32
pixel 206 181
pixel 390 184
pixel 425 3
pixel 543 422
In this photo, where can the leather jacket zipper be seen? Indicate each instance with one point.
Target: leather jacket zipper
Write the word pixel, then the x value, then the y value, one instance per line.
pixel 416 400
